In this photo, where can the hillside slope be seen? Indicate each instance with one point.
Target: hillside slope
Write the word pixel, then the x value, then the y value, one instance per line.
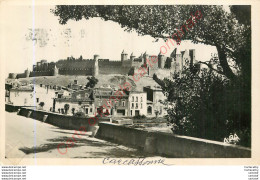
pixel 103 80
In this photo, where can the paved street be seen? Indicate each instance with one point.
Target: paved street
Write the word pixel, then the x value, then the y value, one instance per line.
pixel 29 138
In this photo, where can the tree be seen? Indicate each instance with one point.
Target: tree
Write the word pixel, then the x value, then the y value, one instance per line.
pixel 92 81
pixel 41 104
pixel 73 111
pixel 207 105
pixel 66 108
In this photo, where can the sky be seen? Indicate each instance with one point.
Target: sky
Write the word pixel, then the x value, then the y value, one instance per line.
pixel 54 41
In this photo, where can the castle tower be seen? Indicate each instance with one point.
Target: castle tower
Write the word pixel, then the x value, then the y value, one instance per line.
pixel 123 56
pixel 145 57
pixel 132 57
pixel 173 54
pixel 161 60
pixel 179 59
pixel 96 69
pixel 141 57
pixel 192 56
pixel 55 70
pixel 12 75
pixel 186 59
pixel 38 66
pixel 34 67
pixel 27 73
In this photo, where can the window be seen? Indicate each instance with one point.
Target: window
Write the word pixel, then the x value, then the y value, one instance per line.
pixel 131 112
pixel 133 105
pixel 133 98
pixel 123 103
pixel 141 99
pixel 136 99
pixel 136 105
pixel 149 110
pixel 141 106
pixel 90 110
pixel 37 100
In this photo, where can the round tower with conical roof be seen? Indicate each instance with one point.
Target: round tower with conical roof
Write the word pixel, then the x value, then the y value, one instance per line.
pixel 123 56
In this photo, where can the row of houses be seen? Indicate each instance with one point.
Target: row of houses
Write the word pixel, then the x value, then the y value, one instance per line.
pixel 102 100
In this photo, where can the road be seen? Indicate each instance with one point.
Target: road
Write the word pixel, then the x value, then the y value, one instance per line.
pixel 29 138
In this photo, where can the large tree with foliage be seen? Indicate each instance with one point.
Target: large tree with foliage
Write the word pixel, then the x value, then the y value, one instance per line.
pixel 207 105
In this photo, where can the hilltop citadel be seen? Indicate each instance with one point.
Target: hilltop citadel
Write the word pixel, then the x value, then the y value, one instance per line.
pixel 93 67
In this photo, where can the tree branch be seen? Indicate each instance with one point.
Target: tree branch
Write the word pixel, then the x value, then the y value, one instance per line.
pixel 209 66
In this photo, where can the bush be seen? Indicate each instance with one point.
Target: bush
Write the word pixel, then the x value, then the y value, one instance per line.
pixel 80 114
pixel 41 104
pixel 139 116
pixel 66 108
pixel 73 111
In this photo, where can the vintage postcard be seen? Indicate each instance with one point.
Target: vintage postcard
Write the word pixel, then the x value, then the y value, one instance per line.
pixel 129 83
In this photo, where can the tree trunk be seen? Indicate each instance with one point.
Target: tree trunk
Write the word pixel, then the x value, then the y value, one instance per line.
pixel 224 64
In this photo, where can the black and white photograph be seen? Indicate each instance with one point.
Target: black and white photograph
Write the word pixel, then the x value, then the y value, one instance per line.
pixel 127 84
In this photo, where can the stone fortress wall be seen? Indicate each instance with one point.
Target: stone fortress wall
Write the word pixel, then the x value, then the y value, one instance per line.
pixel 90 67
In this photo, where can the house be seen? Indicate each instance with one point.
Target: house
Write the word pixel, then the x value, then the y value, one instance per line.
pixel 78 101
pixel 121 107
pixel 31 95
pixel 8 86
pixel 75 85
pixel 154 98
pixel 21 96
pixel 63 94
pixel 44 94
pixel 137 103
pixel 112 102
